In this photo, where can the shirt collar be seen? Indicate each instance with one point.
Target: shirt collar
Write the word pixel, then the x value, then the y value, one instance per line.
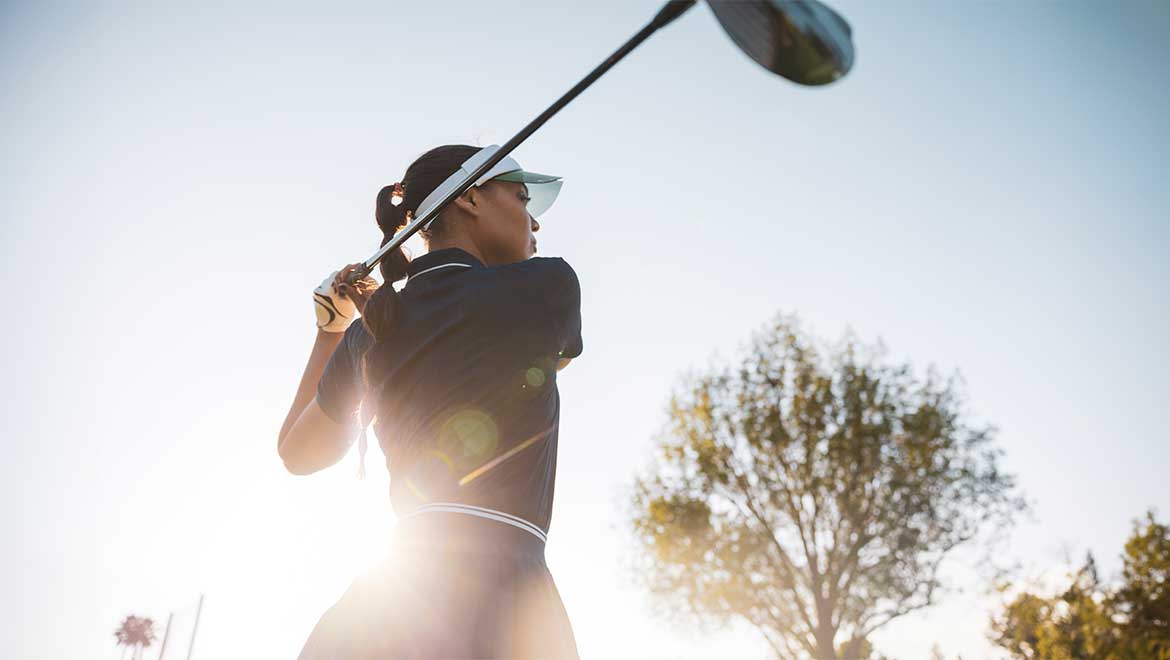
pixel 441 257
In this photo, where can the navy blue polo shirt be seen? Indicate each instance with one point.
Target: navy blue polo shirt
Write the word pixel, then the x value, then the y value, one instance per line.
pixel 464 392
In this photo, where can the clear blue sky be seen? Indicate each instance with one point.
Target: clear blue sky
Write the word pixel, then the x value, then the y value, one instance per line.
pixel 985 192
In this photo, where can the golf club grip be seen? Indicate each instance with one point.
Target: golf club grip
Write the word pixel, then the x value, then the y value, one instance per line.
pixel 356 274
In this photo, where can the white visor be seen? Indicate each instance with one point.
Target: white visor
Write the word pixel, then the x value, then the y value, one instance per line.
pixel 542 188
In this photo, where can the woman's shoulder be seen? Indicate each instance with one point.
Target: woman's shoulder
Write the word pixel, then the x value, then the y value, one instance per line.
pixel 550 269
pixel 357 337
pixel 547 278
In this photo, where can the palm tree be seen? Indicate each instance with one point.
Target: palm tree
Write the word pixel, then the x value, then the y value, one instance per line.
pixel 135 633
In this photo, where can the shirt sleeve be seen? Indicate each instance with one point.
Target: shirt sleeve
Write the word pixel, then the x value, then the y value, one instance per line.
pixel 339 392
pixel 566 301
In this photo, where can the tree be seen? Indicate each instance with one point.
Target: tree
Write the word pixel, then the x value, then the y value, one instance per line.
pixel 812 493
pixel 1091 620
pixel 1143 601
pixel 1072 625
pixel 135 633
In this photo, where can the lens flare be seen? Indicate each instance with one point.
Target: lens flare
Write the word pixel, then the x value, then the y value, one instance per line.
pixel 472 433
pixel 534 377
pixel 486 467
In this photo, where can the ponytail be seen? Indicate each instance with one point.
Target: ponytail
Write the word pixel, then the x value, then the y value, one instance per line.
pixel 394 209
pixel 392 214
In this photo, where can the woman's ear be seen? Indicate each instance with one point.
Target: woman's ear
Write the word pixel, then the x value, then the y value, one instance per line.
pixel 468 202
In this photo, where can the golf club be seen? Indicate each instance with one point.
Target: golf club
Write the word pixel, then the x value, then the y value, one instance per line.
pixel 802 40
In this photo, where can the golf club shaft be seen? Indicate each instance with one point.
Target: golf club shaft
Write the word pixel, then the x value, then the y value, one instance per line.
pixel 668 13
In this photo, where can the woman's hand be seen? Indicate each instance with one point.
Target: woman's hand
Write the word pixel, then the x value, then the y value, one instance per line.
pixel 361 290
pixel 336 301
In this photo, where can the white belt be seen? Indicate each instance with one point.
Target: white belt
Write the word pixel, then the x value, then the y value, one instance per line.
pixel 482 512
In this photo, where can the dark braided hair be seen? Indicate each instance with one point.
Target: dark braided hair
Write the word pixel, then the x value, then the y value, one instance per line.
pixel 422 177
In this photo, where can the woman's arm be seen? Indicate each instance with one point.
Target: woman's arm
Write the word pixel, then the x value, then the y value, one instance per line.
pixel 309 439
pixel 323 348
pixel 315 441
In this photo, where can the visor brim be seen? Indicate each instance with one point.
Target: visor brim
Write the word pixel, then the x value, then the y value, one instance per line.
pixel 543 189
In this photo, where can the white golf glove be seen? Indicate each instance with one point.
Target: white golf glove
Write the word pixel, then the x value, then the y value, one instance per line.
pixel 334 311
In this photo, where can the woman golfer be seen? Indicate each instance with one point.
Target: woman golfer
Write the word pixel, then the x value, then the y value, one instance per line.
pixel 458 372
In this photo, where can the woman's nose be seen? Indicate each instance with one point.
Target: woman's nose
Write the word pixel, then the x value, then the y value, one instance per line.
pixel 535 224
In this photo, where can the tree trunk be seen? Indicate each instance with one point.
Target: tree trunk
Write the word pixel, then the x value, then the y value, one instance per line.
pixel 825 650
pixel 825 636
pixel 853 649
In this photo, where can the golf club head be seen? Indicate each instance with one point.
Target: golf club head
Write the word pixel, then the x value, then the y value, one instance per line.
pixel 801 40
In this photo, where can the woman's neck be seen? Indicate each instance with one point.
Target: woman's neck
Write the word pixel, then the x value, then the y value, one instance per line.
pixel 461 242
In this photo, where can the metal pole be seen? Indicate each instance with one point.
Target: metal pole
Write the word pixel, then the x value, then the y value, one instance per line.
pixel 166 634
pixel 195 628
pixel 670 11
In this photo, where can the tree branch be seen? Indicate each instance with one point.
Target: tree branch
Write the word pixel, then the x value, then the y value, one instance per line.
pixel 791 568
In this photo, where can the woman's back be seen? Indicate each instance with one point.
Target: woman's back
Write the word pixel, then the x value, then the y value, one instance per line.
pixel 464 390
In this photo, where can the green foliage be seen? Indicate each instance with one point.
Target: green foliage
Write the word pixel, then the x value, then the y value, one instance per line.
pixel 1144 597
pixel 1091 621
pixel 813 493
